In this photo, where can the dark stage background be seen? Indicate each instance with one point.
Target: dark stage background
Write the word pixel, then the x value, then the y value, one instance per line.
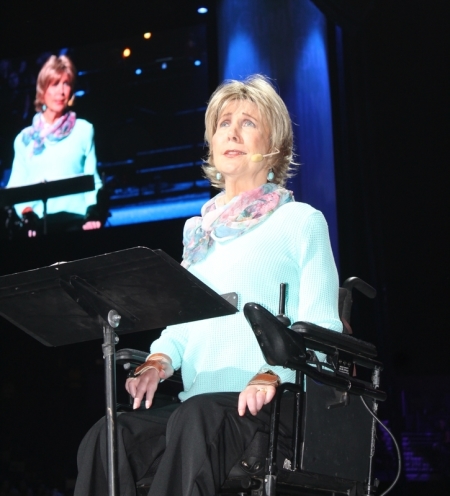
pixel 390 123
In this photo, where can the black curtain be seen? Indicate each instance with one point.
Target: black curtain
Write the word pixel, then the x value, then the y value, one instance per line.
pixel 391 132
pixel 392 151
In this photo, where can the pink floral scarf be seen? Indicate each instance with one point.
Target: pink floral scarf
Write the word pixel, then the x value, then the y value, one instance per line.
pixel 38 132
pixel 224 222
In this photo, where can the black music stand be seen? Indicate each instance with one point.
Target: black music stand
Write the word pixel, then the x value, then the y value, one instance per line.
pixel 105 296
pixel 44 191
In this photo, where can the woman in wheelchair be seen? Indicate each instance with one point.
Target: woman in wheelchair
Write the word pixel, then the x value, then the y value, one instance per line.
pixel 249 238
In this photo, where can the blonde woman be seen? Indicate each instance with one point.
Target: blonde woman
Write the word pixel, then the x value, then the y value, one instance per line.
pixel 249 238
pixel 57 145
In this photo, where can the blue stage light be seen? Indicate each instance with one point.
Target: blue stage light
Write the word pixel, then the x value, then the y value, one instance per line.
pixel 197 63
pixel 202 10
pixel 164 65
pixel 79 93
pixel 138 71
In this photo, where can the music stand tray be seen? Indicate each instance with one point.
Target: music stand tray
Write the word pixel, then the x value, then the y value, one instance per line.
pixel 48 189
pixel 45 190
pixel 117 293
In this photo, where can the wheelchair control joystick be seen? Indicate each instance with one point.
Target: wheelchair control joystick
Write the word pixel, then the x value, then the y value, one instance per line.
pixel 284 319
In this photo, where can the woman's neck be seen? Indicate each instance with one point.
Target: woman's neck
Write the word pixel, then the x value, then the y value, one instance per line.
pixel 50 117
pixel 235 188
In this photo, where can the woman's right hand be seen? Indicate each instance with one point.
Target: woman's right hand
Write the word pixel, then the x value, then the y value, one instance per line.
pixel 254 398
pixel 143 385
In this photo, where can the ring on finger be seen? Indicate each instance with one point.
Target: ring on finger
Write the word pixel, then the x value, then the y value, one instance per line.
pixel 264 390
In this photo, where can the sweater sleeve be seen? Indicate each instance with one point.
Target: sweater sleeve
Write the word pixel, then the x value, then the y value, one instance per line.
pixel 172 343
pixel 319 283
pixel 19 166
pixel 90 167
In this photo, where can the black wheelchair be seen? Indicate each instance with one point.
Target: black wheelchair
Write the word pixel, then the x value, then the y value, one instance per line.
pixel 334 424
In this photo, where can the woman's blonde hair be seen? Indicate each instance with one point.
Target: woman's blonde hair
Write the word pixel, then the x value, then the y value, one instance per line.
pixel 259 90
pixel 52 70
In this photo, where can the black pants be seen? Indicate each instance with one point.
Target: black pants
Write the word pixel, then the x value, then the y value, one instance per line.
pixel 196 444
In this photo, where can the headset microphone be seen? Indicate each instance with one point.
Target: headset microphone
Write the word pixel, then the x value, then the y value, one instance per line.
pixel 258 157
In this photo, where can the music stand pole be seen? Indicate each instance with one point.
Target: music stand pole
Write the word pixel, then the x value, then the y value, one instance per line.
pixel 44 215
pixel 93 301
pixel 109 355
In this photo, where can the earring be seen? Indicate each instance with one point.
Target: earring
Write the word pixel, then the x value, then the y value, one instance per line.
pixel 270 175
pixel 44 107
pixel 218 176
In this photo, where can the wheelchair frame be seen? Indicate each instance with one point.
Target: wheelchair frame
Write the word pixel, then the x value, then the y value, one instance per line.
pixel 295 348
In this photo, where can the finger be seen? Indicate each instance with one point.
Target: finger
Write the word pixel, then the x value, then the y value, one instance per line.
pixel 260 399
pixel 252 402
pixel 152 386
pixel 130 386
pixel 270 394
pixel 134 385
pixel 242 403
pixel 146 387
pixel 138 388
pixel 151 389
pixel 138 395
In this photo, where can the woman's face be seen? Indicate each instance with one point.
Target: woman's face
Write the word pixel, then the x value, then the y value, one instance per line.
pixel 241 133
pixel 57 95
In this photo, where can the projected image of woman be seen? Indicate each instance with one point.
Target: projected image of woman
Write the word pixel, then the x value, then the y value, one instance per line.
pixel 57 145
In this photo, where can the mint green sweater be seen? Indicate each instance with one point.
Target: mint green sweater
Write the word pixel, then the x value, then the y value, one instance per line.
pixel 74 155
pixel 291 246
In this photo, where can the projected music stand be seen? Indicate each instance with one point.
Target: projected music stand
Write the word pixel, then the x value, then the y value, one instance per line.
pixel 44 191
pixel 105 296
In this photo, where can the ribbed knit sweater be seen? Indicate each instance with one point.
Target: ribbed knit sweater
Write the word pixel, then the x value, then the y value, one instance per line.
pixel 292 246
pixel 73 155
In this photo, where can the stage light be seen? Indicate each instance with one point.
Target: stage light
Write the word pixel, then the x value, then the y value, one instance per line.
pixel 197 63
pixel 202 10
pixel 79 93
pixel 138 71
pixel 147 36
pixel 164 65
pixel 126 53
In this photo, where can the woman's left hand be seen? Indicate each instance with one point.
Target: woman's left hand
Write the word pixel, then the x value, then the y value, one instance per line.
pixel 92 224
pixel 255 397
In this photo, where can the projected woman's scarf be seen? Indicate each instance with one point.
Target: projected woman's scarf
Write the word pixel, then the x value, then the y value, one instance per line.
pixel 38 132
pixel 224 222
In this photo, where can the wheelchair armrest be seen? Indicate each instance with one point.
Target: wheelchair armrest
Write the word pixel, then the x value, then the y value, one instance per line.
pixel 316 334
pixel 130 358
pixel 281 345
pixel 278 343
